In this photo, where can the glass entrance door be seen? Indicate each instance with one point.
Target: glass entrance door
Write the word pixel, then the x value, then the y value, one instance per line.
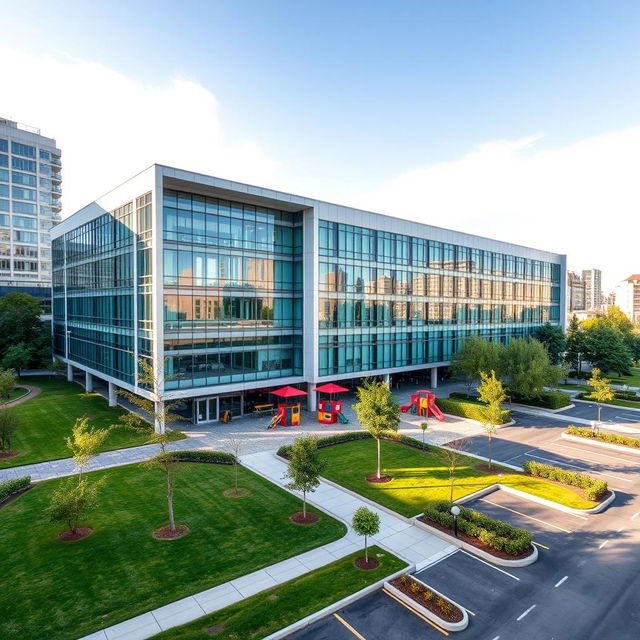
pixel 206 410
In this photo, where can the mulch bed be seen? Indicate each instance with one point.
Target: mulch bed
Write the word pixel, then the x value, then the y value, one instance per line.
pixel 15 496
pixel 164 533
pixel 78 534
pixel 455 615
pixel 8 454
pixel 373 478
pixel 232 493
pixel 476 542
pixel 299 518
pixel 365 565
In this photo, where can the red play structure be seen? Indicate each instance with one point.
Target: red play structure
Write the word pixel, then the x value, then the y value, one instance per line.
pixel 287 415
pixel 330 411
pixel 423 403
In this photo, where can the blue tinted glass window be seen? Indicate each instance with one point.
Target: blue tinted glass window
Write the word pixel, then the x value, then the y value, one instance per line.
pixel 4 205
pixel 23 178
pixel 19 149
pixel 23 164
pixel 4 145
pixel 24 207
pixel 4 160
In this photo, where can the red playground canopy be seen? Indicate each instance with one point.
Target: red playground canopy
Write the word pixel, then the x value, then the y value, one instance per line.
pixel 288 392
pixel 330 387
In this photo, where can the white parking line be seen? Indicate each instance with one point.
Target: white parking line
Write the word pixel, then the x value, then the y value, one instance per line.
pixel 557 584
pixel 596 453
pixel 506 573
pixel 620 529
pixel 555 526
pixel 575 466
pixel 634 516
pixel 496 638
pixel 529 610
pixel 604 544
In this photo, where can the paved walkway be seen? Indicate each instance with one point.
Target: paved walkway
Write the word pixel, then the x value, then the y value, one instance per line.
pixel 397 535
pixel 33 392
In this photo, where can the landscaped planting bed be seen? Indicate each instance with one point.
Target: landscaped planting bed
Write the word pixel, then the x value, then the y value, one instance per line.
pixel 493 536
pixel 65 590
pixel 425 597
pixel 593 489
pixel 466 408
pixel 12 487
pixel 618 401
pixel 277 607
pixel 419 478
pixel 604 436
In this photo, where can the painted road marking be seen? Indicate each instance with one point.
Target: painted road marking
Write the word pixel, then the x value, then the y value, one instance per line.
pixel 620 529
pixel 603 544
pixel 348 626
pixel 497 638
pixel 539 544
pixel 415 613
pixel 529 610
pixel 635 515
pixel 575 466
pixel 557 584
pixel 524 515
pixel 596 453
pixel 520 454
pixel 506 573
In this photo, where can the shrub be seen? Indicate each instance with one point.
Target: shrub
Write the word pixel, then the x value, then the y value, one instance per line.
pixel 626 395
pixel 593 489
pixel 545 399
pixel 16 485
pixel 497 534
pixel 603 436
pixel 467 409
pixel 197 455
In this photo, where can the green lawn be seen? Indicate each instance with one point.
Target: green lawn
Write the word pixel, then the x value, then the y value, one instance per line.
pixel 421 477
pixel 46 420
pixel 52 589
pixel 276 608
pixel 575 387
pixel 633 380
pixel 617 402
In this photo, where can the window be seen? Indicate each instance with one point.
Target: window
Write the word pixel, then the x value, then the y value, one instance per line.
pixel 23 194
pixel 5 221
pixel 45 155
pixel 24 207
pixel 25 252
pixel 19 149
pixel 23 165
pixel 4 160
pixel 4 205
pixel 25 236
pixel 23 178
pixel 4 175
pixel 4 145
pixel 4 190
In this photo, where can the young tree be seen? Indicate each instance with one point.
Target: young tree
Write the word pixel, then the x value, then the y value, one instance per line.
pixel 554 341
pixel 84 443
pixel 17 357
pixel 452 455
pixel 602 391
pixel 492 394
pixel 305 468
pixel 166 462
pixel 9 424
pixel 424 426
pixel 575 344
pixel 527 368
pixel 378 411
pixel 234 446
pixel 71 501
pixel 476 355
pixel 365 523
pixel 7 383
pixel 605 348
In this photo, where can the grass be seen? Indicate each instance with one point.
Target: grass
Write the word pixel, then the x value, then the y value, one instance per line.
pixel 16 393
pixel 575 387
pixel 46 420
pixel 53 589
pixel 276 608
pixel 633 380
pixel 616 401
pixel 420 478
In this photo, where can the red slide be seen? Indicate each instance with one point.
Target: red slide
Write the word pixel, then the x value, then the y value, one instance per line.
pixel 436 412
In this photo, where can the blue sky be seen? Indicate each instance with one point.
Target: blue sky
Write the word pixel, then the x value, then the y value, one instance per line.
pixel 347 96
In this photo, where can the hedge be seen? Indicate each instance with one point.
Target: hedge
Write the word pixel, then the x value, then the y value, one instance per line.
pixel 619 395
pixel 198 455
pixel 467 409
pixel 350 436
pixel 495 533
pixel 593 489
pixel 544 399
pixel 613 438
pixel 16 485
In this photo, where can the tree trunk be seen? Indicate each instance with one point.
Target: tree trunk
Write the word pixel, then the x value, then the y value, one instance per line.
pixel 451 490
pixel 172 522
pixel 490 449
pixel 378 472
pixel 366 550
pixel 304 505
pixel 236 466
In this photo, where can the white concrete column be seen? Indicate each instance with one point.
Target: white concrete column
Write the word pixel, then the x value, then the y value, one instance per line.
pixel 312 398
pixel 434 378
pixel 88 382
pixel 69 373
pixel 158 427
pixel 386 378
pixel 113 399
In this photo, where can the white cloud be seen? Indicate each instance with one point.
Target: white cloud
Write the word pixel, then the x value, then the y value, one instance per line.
pixel 110 126
pixel 582 199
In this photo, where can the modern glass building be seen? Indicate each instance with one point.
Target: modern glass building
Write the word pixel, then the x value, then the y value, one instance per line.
pixel 30 192
pixel 232 290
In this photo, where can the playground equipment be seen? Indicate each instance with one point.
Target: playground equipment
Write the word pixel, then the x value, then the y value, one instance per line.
pixel 422 404
pixel 287 415
pixel 330 411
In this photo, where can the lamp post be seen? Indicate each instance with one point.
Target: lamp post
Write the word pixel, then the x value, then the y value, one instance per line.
pixel 455 512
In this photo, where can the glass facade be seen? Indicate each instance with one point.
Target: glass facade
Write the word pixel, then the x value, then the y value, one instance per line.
pixel 388 300
pixel 232 293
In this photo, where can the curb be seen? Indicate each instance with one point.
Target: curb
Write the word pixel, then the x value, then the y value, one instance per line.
pixel 416 606
pixel 598 443
pixel 484 555
pixel 318 615
pixel 529 406
pixel 477 422
pixel 606 404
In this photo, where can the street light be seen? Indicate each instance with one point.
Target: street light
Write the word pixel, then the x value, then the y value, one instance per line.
pixel 455 512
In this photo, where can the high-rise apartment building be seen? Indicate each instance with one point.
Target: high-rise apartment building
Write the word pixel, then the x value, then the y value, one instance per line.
pixel 237 290
pixel 593 288
pixel 627 297
pixel 576 292
pixel 30 192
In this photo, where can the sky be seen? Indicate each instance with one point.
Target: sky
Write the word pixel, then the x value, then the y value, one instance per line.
pixel 515 120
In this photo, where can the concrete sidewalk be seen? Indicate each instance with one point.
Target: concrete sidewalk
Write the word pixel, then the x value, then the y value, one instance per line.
pixel 398 536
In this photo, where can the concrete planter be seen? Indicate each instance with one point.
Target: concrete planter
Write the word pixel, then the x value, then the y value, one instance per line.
pixel 483 555
pixel 427 613
pixel 599 443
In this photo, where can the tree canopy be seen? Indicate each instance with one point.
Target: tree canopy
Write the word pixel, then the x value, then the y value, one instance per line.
pixel 554 341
